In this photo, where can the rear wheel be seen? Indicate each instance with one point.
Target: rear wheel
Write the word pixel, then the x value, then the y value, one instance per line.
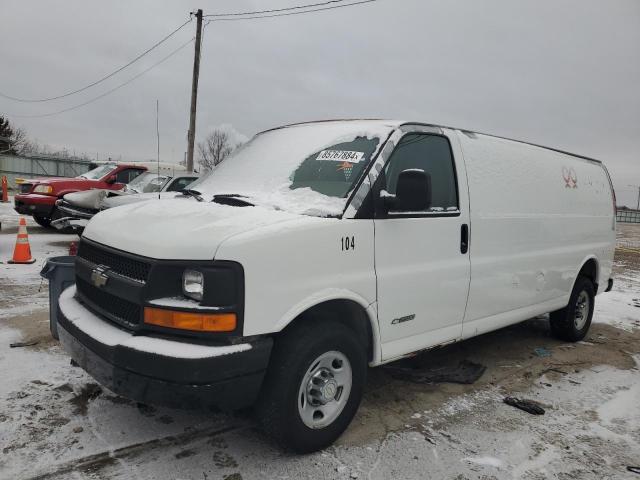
pixel 572 322
pixel 314 385
pixel 42 221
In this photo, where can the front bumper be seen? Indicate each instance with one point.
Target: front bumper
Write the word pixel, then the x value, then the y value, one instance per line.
pixel 33 204
pixel 158 371
pixel 77 224
pixel 68 210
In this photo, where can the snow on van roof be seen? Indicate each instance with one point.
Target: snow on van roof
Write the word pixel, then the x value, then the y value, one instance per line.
pixel 363 122
pixel 398 123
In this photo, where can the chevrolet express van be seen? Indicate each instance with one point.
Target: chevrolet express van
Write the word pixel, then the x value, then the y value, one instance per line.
pixel 318 250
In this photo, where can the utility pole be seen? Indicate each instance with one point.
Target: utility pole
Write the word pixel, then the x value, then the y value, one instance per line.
pixel 194 93
pixel 638 187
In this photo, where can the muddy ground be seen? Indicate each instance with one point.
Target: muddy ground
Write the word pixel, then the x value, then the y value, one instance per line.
pixel 55 422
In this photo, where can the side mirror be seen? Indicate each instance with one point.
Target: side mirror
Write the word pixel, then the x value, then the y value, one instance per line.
pixel 413 192
pixel 111 180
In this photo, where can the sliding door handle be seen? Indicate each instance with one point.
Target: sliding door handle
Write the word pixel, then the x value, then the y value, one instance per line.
pixel 464 238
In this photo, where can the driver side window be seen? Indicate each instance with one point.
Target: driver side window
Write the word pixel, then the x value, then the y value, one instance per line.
pixel 432 154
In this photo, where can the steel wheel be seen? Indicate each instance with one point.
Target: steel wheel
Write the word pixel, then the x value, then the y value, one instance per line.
pixel 325 390
pixel 583 305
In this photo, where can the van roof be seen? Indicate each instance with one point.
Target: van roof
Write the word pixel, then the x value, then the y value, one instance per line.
pixel 399 123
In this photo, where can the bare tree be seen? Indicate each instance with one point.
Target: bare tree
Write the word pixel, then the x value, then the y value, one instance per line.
pixel 12 139
pixel 19 140
pixel 215 148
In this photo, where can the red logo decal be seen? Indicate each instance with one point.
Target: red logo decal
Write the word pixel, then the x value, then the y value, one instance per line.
pixel 570 177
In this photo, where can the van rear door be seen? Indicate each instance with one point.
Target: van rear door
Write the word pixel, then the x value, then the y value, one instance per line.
pixel 422 257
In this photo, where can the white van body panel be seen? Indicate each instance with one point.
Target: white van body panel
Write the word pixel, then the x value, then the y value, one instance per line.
pixel 292 266
pixel 537 216
pixel 177 229
pixel 422 273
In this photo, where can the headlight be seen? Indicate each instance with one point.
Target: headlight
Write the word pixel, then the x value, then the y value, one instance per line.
pixel 43 189
pixel 193 284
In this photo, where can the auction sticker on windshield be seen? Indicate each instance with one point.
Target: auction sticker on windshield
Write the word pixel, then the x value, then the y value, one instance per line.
pixel 340 156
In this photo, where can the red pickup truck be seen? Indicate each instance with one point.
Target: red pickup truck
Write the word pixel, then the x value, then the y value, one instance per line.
pixel 38 197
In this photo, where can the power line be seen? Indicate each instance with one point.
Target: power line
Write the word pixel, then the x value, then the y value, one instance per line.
pixel 239 18
pixel 258 12
pixel 214 18
pixel 34 100
pixel 109 91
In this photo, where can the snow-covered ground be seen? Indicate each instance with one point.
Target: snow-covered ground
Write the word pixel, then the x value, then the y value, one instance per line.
pixel 55 422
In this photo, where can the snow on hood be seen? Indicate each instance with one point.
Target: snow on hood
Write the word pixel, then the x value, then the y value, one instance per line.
pixel 53 180
pixel 178 229
pixel 119 200
pixel 86 199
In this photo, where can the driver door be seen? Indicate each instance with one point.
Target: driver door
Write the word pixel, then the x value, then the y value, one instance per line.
pixel 422 257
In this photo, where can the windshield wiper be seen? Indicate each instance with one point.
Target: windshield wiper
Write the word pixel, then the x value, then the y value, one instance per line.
pixel 232 199
pixel 193 193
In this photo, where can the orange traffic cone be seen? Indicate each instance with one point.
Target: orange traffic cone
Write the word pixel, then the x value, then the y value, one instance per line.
pixel 22 252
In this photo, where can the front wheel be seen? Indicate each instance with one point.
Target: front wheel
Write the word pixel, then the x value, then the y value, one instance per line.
pixel 314 385
pixel 572 322
pixel 42 221
pixel 57 215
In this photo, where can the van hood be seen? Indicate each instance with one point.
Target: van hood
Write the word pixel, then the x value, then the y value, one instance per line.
pixel 179 229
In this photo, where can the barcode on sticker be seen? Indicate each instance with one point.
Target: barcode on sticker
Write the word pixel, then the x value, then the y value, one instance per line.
pixel 340 156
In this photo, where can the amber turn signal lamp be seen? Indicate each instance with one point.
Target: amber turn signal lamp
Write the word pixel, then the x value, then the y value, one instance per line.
pixel 196 322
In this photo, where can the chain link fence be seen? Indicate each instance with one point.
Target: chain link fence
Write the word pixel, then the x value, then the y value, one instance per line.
pixel 16 167
pixel 628 216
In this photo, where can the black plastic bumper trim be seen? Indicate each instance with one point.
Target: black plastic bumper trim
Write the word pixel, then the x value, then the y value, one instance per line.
pixel 228 382
pixel 609 285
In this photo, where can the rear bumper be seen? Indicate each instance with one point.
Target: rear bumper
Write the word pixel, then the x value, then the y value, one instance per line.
pixel 158 371
pixel 609 285
pixel 32 204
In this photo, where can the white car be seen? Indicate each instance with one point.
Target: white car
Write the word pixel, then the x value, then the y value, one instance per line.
pixel 78 208
pixel 317 250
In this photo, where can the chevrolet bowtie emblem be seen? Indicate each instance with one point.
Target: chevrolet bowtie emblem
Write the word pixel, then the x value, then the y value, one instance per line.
pixel 98 276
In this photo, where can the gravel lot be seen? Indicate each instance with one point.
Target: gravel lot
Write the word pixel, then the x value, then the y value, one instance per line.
pixel 56 423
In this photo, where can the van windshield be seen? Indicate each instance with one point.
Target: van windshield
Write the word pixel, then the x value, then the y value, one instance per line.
pixel 307 169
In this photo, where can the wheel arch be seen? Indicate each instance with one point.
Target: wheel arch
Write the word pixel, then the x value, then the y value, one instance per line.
pixel 591 269
pixel 347 308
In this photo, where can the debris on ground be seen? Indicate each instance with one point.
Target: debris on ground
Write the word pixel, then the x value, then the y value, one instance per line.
pixel 634 470
pixel 466 372
pixel 542 352
pixel 29 343
pixel 529 406
pixel 88 392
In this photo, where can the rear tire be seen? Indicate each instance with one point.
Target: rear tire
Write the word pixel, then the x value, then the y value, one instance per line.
pixel 572 323
pixel 42 221
pixel 314 385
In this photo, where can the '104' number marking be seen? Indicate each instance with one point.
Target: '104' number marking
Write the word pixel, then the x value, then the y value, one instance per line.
pixel 348 243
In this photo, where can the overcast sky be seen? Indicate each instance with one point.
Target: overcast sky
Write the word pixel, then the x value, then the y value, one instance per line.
pixel 561 73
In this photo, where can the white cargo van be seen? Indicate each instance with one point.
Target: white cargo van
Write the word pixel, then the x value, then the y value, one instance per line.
pixel 317 250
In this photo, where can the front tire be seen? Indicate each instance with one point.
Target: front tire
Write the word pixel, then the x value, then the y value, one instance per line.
pixel 56 215
pixel 572 323
pixel 42 221
pixel 314 385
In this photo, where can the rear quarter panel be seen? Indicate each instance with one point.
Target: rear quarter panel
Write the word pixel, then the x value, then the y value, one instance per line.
pixel 536 217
